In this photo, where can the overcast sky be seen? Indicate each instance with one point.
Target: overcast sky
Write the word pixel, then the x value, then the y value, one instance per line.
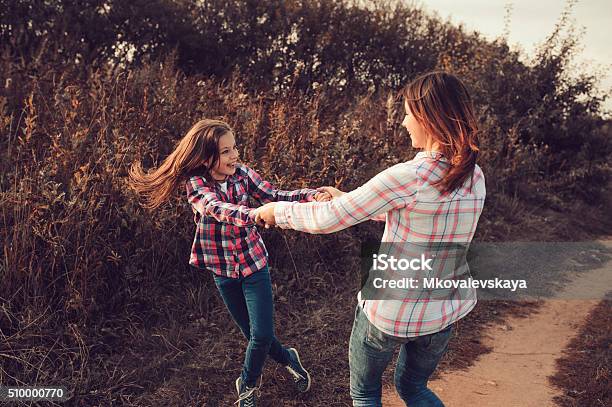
pixel 532 21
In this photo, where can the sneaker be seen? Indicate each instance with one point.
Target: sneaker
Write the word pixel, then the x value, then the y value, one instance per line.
pixel 300 375
pixel 246 395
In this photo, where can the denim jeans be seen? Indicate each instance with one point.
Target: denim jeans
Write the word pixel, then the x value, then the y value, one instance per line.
pixel 249 301
pixel 371 350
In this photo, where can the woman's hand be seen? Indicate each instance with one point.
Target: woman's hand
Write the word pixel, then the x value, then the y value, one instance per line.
pixel 333 192
pixel 264 215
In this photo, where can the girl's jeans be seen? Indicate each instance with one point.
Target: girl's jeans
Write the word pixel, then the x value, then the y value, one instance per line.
pixel 371 350
pixel 249 301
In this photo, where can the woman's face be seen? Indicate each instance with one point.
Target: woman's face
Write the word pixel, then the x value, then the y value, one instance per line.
pixel 228 158
pixel 418 135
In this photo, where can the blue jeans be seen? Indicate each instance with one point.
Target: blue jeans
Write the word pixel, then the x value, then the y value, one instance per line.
pixel 249 301
pixel 371 350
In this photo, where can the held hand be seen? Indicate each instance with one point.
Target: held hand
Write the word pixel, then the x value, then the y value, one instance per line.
pixel 333 192
pixel 258 220
pixel 322 197
pixel 264 215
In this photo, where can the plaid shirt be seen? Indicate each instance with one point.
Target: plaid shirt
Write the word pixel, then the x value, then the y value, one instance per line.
pixel 226 239
pixel 415 212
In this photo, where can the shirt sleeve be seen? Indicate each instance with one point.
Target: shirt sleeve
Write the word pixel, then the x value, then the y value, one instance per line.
pixel 207 202
pixel 265 192
pixel 393 188
pixel 381 217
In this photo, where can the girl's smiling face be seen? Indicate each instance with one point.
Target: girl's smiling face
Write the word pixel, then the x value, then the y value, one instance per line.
pixel 418 134
pixel 228 158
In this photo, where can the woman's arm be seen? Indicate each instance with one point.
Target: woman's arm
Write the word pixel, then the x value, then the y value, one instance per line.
pixel 336 193
pixel 381 217
pixel 208 202
pixel 393 188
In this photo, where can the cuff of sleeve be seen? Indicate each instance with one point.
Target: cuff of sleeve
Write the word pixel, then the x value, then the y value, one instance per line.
pixel 251 214
pixel 310 195
pixel 281 216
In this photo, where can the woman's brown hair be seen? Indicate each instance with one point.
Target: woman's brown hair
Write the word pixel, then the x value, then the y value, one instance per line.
pixel 198 146
pixel 441 103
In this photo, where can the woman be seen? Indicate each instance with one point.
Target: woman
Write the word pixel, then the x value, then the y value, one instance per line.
pixel 437 197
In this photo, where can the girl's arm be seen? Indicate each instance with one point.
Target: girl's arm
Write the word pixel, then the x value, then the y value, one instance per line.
pixel 208 203
pixel 265 192
pixel 393 188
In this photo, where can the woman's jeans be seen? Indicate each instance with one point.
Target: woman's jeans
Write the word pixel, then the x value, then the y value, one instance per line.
pixel 249 301
pixel 371 350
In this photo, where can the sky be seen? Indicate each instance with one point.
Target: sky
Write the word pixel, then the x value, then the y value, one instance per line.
pixel 531 21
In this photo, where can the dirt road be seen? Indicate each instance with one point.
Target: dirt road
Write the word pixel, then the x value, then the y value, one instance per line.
pixel 515 373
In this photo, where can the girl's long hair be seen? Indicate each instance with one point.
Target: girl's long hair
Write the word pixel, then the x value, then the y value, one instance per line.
pixel 198 146
pixel 441 103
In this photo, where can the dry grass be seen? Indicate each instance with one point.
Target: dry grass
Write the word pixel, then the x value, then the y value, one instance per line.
pixel 584 371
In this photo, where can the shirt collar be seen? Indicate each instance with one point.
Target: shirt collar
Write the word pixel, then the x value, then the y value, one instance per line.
pixel 430 154
pixel 232 179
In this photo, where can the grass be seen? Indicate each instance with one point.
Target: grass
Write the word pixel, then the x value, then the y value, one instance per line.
pixel 584 371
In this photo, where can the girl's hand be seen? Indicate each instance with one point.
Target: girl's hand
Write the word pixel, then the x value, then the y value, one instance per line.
pixel 333 192
pixel 322 197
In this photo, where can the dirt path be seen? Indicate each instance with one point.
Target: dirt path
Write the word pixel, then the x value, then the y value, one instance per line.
pixel 516 372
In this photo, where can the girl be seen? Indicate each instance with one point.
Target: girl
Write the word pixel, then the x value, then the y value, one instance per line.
pixel 435 198
pixel 226 240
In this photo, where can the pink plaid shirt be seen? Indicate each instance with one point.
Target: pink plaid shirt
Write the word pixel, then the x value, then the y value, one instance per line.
pixel 226 239
pixel 414 212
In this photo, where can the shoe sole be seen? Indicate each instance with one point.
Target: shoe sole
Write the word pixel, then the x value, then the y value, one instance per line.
pixel 238 383
pixel 307 374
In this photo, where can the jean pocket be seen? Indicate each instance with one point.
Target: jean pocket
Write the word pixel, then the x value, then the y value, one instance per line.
pixel 377 339
pixel 222 281
pixel 437 343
